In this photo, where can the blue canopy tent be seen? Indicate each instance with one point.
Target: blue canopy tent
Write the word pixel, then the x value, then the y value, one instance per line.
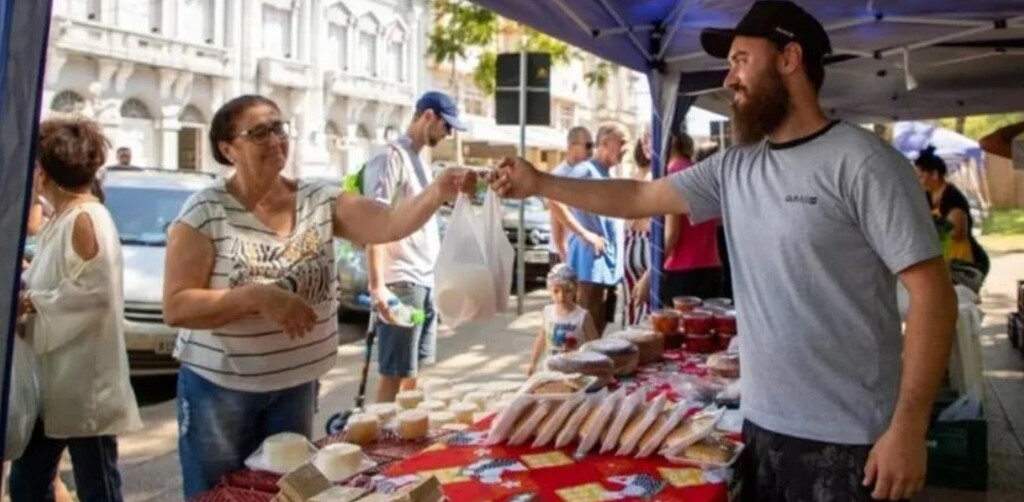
pixel 893 60
pixel 963 155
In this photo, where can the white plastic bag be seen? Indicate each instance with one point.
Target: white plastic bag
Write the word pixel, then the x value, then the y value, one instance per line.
pixel 473 273
pixel 23 407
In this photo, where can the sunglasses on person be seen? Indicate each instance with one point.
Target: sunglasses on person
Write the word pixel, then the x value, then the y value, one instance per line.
pixel 589 145
pixel 263 132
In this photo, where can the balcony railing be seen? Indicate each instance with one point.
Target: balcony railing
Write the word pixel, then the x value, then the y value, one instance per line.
pixel 285 73
pixel 90 37
pixel 370 88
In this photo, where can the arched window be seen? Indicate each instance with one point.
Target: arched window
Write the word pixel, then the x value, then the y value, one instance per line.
pixel 192 115
pixel 67 102
pixel 338 21
pixel 396 53
pixel 368 29
pixel 133 108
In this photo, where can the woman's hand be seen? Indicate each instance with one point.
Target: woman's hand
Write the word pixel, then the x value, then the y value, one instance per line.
pixel 641 293
pixel 286 309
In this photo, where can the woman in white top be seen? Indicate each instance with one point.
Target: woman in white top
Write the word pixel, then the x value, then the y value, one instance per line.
pixel 74 295
pixel 250 279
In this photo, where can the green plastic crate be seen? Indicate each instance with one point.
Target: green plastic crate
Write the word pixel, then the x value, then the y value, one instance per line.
pixel 958 454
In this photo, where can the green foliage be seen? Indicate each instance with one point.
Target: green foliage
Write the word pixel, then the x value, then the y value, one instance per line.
pixel 460 26
pixel 1005 222
pixel 978 126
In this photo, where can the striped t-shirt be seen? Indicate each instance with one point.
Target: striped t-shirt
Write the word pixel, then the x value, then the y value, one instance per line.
pixel 252 354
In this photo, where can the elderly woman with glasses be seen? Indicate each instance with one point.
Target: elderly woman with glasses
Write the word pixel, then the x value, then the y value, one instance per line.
pixel 251 282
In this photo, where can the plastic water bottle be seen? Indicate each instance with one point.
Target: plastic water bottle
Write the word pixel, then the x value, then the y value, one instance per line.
pixel 400 314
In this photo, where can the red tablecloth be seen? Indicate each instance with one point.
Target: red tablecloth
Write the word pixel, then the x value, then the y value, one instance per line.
pixel 470 471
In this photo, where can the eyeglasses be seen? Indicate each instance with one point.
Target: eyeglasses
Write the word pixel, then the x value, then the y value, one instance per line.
pixel 263 132
pixel 589 145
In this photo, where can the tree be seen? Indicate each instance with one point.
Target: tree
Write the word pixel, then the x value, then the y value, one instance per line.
pixel 978 126
pixel 460 27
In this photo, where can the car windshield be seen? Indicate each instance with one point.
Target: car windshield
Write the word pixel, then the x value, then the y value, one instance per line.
pixel 142 214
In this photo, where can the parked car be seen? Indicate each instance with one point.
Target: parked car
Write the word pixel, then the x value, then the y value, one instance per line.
pixel 144 203
pixel 537 232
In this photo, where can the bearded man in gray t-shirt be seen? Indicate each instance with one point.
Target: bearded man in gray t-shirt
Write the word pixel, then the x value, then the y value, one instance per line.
pixel 822 219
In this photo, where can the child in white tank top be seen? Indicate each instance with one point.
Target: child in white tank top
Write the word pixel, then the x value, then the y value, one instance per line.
pixel 566 325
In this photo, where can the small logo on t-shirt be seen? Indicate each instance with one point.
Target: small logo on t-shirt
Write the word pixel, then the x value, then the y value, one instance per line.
pixel 803 199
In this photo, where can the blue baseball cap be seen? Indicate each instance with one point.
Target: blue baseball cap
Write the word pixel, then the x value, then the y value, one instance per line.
pixel 444 106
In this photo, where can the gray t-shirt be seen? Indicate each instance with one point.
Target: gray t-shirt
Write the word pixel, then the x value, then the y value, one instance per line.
pixel 817 230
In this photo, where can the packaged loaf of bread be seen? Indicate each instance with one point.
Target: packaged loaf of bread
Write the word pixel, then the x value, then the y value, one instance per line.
pixel 595 424
pixel 666 422
pixel 384 411
pixel 526 427
pixel 572 424
pixel 694 428
pixel 362 428
pixel 710 452
pixel 650 344
pixel 554 421
pixel 463 412
pixel 638 426
pixel 631 406
pixel 413 424
pixel 724 364
pixel 555 385
pixel 505 421
pixel 584 362
pixel 624 355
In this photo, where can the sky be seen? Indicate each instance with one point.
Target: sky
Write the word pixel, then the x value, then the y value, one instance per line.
pixel 698 120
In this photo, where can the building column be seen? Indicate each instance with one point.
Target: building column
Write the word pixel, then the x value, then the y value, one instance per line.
pixel 167 129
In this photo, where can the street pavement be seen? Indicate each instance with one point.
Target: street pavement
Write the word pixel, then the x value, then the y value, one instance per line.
pixel 500 348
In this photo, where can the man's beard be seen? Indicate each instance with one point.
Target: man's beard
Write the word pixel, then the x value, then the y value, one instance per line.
pixel 766 108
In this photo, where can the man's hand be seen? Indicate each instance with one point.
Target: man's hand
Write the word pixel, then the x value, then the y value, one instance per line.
pixel 897 465
pixel 379 301
pixel 516 179
pixel 286 309
pixel 595 241
pixel 449 182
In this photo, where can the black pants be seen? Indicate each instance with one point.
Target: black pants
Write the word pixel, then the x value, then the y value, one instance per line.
pixel 700 282
pixel 94 460
pixel 779 468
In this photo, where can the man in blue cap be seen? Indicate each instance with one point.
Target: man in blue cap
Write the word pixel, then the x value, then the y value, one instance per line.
pixel 405 269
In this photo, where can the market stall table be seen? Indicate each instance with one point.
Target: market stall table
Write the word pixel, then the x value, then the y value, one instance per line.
pixel 468 470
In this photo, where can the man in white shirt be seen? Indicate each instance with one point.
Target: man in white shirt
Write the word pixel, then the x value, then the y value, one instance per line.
pixel 405 269
pixel 579 147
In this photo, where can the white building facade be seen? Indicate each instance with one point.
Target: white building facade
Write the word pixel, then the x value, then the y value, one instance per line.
pixel 345 73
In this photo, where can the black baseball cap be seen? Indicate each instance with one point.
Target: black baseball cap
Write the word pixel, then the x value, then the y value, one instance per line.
pixel 780 21
pixel 443 105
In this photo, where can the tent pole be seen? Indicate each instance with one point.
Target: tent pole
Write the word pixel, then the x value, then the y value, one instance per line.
pixel 520 231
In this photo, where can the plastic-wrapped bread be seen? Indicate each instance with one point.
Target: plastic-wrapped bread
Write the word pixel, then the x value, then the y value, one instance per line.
pixel 549 428
pixel 594 425
pixel 432 405
pixel 384 411
pixel 663 425
pixel 503 424
pixel 463 412
pixel 624 355
pixel 339 460
pixel 439 419
pixel 637 427
pixel 575 420
pixel 585 363
pixel 409 399
pixel 362 428
pixel 651 344
pixel 527 425
pixel 413 424
pixel 631 405
pixel 691 430
pixel 445 396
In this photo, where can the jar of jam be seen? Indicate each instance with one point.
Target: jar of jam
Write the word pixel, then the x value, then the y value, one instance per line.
pixel 675 340
pixel 665 321
pixel 697 322
pixel 725 322
pixel 686 303
pixel 701 343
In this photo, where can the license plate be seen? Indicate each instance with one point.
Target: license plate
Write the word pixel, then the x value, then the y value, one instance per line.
pixel 165 346
pixel 536 257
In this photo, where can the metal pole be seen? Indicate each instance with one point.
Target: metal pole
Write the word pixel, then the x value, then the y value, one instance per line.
pixel 520 231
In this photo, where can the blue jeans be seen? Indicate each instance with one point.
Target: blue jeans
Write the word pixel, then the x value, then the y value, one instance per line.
pixel 219 428
pixel 95 466
pixel 401 350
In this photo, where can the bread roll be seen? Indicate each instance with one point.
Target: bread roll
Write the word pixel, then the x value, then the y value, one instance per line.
pixel 383 411
pixel 583 362
pixel 362 428
pixel 463 412
pixel 650 344
pixel 409 399
pixel 624 355
pixel 439 419
pixel 413 424
pixel 339 460
pixel 432 405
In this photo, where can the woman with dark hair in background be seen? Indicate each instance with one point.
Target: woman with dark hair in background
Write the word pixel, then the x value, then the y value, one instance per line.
pixel 250 278
pixel 951 210
pixel 638 243
pixel 73 295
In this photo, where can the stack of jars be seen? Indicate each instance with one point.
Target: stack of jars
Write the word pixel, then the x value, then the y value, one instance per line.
pixel 705 326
